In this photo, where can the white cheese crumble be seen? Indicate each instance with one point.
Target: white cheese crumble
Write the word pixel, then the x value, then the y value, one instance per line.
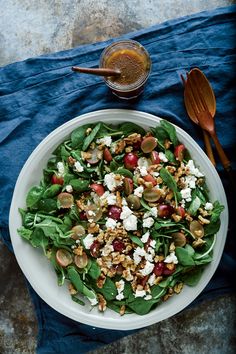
pixel 78 167
pixel 69 188
pixel 186 194
pixel 145 237
pixel 138 254
pixel 148 222
pixel 88 241
pixel 106 140
pixel 130 223
pixel 140 293
pixel 153 243
pixel 126 211
pixel 111 182
pixel 111 199
pixel 139 191
pixel 120 288
pixel 154 212
pixel 191 181
pixel 143 171
pixel 193 170
pixel 151 279
pixel 163 157
pixel 148 268
pixel 120 296
pixel 61 169
pixel 208 206
pixel 171 258
pixel 107 249
pixel 93 301
pixel 111 223
pixel 148 297
pixel 143 162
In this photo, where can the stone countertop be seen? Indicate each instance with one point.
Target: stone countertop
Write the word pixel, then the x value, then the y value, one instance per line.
pixel 32 27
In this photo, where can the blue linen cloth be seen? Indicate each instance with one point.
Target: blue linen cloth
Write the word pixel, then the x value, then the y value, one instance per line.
pixel 39 94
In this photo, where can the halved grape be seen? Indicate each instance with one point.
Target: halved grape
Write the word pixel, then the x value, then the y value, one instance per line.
pixel 152 195
pixel 133 202
pixel 81 261
pixel 196 228
pixel 131 161
pixel 78 231
pixel 179 239
pixel 63 257
pixel 128 185
pixel 148 144
pixel 65 200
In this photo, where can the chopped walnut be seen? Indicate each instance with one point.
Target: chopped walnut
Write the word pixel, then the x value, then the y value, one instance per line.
pixel 122 310
pixel 176 217
pixel 198 243
pixel 170 266
pixel 80 204
pixel 203 212
pixel 169 195
pixel 166 297
pixel 72 290
pixel 86 155
pixel 102 304
pixel 127 275
pixel 203 220
pixel 118 199
pixel 128 149
pixel 178 287
pixel 170 291
pixel 118 259
pixel 133 138
pixel 71 160
pixel 100 281
pixel 93 228
pixel 159 180
pixel 158 280
pixel 188 217
pixel 167 143
pixel 119 146
pixel 78 251
pixel 171 169
pixel 88 131
pixel 172 247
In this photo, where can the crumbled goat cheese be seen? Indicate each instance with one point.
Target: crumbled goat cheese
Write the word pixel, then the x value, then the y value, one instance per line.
pixel 151 279
pixel 150 254
pixel 155 173
pixel 148 297
pixel 111 223
pixel 186 194
pixel 139 191
pixel 154 212
pixel 130 223
pixel 143 162
pixel 107 249
pixel 111 182
pixel 140 293
pixel 138 254
pixel 126 211
pixel 69 188
pixel 61 169
pixel 147 269
pixel 148 222
pixel 191 181
pixel 111 199
pixel 106 140
pixel 145 237
pixel 163 157
pixel 120 288
pixel 78 167
pixel 208 206
pixel 88 241
pixel 120 296
pixel 91 213
pixel 153 243
pixel 171 258
pixel 143 171
pixel 124 202
pixel 193 170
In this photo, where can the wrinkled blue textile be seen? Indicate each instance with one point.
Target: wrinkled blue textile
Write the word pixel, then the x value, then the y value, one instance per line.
pixel 39 94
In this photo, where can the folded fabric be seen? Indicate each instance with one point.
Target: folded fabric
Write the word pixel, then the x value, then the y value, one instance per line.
pixel 39 94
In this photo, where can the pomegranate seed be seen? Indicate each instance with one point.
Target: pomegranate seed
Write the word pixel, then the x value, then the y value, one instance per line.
pixel 155 157
pixel 165 210
pixel 82 215
pixel 167 271
pixel 57 180
pixel 95 249
pixel 179 152
pixel 107 155
pixel 114 212
pixel 98 188
pixel 118 245
pixel 131 161
pixel 180 211
pixel 159 268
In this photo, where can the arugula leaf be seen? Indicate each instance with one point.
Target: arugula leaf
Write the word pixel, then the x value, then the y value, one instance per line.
pixel 168 179
pixel 170 129
pixel 25 233
pixel 136 240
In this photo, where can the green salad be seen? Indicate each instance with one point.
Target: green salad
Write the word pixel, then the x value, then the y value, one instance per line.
pixel 123 215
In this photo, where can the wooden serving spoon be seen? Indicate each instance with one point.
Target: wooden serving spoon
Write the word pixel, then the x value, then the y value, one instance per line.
pixel 193 113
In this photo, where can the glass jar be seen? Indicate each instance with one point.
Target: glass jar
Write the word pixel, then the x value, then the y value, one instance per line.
pixel 134 64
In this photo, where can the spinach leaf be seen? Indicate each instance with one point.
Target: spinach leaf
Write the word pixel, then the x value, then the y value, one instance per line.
pixel 77 300
pixel 193 276
pixel 25 233
pixel 52 191
pixel 47 205
pixel 94 270
pixel 78 135
pixel 141 306
pixel 108 290
pixel 34 195
pixel 161 135
pixel 184 256
pixel 79 185
pixel 127 290
pixel 128 128
pixel 158 291
pixel 217 210
pixel 124 172
pixel 79 284
pixel 212 228
pixel 170 156
pixel 170 129
pixel 38 239
pixel 88 140
pixel 194 206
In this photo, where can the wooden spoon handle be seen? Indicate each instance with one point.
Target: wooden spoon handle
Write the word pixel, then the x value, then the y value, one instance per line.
pixel 97 71
pixel 208 147
pixel 223 158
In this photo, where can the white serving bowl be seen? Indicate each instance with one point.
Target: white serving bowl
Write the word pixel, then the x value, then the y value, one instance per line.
pixel 38 269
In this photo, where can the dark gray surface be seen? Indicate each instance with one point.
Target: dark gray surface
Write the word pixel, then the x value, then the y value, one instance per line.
pixel 33 27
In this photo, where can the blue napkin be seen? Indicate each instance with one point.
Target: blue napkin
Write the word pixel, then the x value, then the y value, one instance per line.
pixel 39 94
